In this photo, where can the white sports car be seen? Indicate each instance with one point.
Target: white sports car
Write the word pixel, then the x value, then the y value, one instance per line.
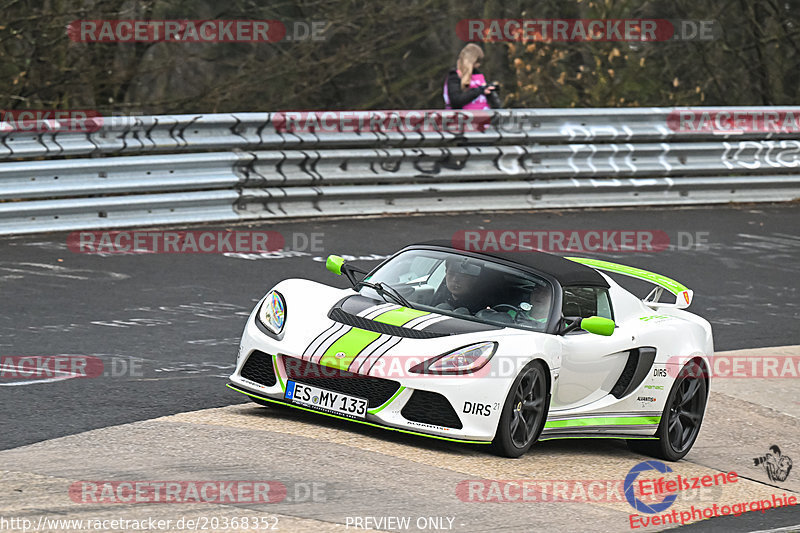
pixel 493 348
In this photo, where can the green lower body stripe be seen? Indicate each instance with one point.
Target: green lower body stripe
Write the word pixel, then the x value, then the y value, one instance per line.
pixel 604 421
pixel 561 436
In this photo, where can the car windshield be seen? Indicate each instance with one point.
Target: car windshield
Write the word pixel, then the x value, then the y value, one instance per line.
pixel 466 287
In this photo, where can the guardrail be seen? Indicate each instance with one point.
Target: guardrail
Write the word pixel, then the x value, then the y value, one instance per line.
pixel 138 171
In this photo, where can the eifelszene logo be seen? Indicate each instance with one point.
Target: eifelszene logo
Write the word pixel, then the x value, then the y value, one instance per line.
pixel 630 484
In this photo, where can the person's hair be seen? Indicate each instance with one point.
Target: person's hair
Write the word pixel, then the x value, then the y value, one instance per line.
pixel 469 55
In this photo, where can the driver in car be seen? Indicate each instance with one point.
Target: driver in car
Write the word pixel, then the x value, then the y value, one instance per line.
pixel 461 292
pixel 535 309
pixel 539 303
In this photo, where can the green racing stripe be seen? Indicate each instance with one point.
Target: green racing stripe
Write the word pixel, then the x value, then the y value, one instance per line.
pixel 670 284
pixel 350 345
pixel 278 372
pixel 400 317
pixel 356 340
pixel 387 402
pixel 603 421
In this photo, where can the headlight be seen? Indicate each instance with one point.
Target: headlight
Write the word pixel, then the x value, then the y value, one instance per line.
pixel 462 361
pixel 273 312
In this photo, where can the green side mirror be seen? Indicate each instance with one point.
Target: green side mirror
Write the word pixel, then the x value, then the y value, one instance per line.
pixel 598 325
pixel 334 264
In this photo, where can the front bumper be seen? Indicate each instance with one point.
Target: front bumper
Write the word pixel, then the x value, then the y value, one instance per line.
pixel 434 406
pixel 251 394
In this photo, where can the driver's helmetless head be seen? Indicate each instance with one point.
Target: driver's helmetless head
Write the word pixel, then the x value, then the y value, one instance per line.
pixel 540 301
pixel 458 282
pixel 540 295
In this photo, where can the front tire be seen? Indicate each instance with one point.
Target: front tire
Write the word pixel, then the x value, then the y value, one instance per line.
pixel 524 412
pixel 681 418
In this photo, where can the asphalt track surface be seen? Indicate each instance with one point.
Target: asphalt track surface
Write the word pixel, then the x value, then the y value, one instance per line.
pixel 168 326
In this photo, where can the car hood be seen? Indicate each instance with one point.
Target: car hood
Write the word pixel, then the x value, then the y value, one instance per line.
pixel 340 328
pixel 392 319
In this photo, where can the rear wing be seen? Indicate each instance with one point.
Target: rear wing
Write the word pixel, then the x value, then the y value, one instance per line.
pixel 683 295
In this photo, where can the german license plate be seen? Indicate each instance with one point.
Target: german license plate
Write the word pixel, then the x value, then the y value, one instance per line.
pixel 325 400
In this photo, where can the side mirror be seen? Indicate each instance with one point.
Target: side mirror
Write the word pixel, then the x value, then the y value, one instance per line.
pixel 337 265
pixel 334 264
pixel 598 325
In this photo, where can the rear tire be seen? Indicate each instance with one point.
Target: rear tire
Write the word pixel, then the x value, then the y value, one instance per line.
pixel 524 412
pixel 681 418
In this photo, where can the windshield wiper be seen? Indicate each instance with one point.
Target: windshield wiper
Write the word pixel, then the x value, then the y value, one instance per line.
pixel 387 290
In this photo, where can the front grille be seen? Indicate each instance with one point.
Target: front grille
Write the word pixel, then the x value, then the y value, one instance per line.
pixel 339 315
pixel 431 408
pixel 259 368
pixel 376 390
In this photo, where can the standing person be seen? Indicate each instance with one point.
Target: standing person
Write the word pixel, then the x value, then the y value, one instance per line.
pixel 465 86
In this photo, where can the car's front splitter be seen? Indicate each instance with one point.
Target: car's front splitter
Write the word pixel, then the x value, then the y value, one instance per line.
pixel 239 388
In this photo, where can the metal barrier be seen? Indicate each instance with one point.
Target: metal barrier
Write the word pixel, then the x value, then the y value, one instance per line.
pixel 138 171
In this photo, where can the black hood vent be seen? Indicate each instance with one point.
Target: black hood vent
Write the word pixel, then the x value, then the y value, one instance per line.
pixel 346 312
pixel 339 315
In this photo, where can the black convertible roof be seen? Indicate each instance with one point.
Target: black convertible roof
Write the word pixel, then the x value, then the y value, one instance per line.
pixel 566 272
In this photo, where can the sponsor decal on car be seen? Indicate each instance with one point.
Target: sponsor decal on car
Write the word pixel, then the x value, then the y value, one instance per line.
pixel 646 400
pixel 252 383
pixel 481 409
pixel 428 426
pixel 655 317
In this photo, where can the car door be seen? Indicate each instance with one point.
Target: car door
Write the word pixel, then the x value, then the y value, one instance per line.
pixel 590 364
